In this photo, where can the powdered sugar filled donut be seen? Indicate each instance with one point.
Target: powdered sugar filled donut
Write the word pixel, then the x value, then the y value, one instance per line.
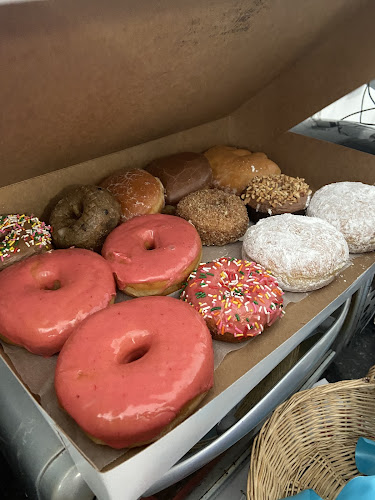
pixel 350 207
pixel 303 253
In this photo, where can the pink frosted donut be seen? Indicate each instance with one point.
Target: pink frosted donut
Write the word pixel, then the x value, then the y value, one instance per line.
pixel 152 254
pixel 133 371
pixel 45 296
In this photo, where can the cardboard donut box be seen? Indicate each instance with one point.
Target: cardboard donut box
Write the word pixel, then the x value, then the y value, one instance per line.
pixel 88 87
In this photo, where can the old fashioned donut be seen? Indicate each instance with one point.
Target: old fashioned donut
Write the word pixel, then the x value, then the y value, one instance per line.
pixel 22 236
pixel 181 174
pixel 233 168
pixel 135 370
pixel 237 298
pixel 350 208
pixel 152 254
pixel 137 191
pixel 303 253
pixel 219 217
pixel 275 195
pixel 84 217
pixel 45 296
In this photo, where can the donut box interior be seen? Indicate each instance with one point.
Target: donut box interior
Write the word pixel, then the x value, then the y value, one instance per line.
pixel 91 87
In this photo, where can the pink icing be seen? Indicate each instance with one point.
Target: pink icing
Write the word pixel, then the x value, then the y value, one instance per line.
pixel 39 318
pixel 152 248
pixel 234 296
pixel 128 370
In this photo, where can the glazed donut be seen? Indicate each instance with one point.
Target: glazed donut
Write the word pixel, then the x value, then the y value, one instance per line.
pixel 237 299
pixel 132 372
pixel 84 217
pixel 137 191
pixel 22 236
pixel 350 208
pixel 152 254
pixel 45 296
pixel 219 217
pixel 274 195
pixel 303 253
pixel 233 168
pixel 181 174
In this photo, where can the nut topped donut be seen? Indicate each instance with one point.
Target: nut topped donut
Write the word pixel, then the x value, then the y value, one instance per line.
pixel 44 297
pixel 22 236
pixel 135 370
pixel 237 298
pixel 152 254
pixel 303 253
pixel 219 217
pixel 350 208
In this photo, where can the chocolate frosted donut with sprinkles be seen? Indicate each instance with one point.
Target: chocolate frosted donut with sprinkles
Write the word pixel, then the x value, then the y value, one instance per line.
pixel 237 298
pixel 22 236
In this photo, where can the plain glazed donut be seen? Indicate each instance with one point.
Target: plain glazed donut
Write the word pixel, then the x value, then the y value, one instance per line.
pixel 132 372
pixel 237 299
pixel 137 191
pixel 219 217
pixel 152 254
pixel 303 253
pixel 22 236
pixel 45 296
pixel 350 208
pixel 84 217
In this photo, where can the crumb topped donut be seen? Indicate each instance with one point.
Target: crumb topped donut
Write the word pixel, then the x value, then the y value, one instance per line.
pixel 219 217
pixel 137 191
pixel 237 298
pixel 303 253
pixel 276 194
pixel 350 208
pixel 132 372
pixel 84 217
pixel 22 236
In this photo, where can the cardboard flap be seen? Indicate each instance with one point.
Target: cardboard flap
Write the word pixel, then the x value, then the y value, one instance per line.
pixel 81 79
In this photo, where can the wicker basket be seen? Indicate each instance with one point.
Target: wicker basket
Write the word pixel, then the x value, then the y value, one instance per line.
pixel 309 441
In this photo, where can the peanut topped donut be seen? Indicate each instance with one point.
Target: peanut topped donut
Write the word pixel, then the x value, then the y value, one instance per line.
pixel 132 372
pixel 219 217
pixel 45 296
pixel 350 208
pixel 237 298
pixel 22 236
pixel 152 254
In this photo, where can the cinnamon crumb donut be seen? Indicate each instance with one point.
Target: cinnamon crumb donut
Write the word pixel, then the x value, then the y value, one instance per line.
pixel 219 217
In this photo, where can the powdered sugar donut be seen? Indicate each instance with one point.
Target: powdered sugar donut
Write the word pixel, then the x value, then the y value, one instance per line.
pixel 350 207
pixel 303 253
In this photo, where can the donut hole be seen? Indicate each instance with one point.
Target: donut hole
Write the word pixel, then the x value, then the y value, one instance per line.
pixel 134 355
pixel 55 285
pixel 150 245
pixel 76 211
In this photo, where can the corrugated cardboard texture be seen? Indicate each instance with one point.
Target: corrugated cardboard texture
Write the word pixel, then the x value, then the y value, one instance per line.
pixel 85 78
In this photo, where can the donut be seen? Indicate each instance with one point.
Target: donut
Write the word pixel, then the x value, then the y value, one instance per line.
pixel 181 174
pixel 137 191
pixel 236 298
pixel 132 372
pixel 45 296
pixel 274 195
pixel 22 236
pixel 303 253
pixel 233 168
pixel 152 254
pixel 350 208
pixel 219 217
pixel 84 217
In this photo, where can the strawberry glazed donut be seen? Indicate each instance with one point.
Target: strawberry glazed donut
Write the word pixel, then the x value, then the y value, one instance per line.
pixel 237 298
pixel 45 296
pixel 152 254
pixel 135 370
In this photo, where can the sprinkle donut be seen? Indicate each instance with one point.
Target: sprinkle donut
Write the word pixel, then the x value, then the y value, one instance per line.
pixel 45 296
pixel 22 236
pixel 132 372
pixel 237 298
